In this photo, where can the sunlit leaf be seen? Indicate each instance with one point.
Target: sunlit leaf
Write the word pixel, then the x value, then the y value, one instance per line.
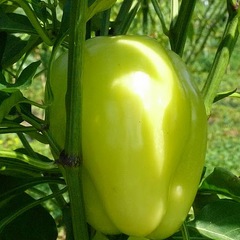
pixel 219 220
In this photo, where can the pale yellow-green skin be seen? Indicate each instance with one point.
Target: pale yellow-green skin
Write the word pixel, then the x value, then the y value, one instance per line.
pixel 143 135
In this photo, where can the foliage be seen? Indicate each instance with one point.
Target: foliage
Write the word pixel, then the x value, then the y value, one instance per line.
pixel 31 35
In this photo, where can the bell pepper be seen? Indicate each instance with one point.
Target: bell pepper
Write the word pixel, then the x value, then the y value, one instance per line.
pixel 144 131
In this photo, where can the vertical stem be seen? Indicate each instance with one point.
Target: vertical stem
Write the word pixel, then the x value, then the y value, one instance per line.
pixel 185 233
pixel 179 27
pixel 71 158
pixel 79 226
pixel 222 58
pixel 77 35
pixel 160 15
pixel 145 10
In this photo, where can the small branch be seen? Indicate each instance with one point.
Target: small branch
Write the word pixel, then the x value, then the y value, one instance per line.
pixel 222 58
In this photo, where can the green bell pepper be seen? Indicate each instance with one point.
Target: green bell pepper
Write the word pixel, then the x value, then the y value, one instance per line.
pixel 144 134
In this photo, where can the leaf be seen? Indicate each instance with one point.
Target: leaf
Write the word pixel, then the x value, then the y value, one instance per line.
pixel 34 224
pixel 8 103
pixel 40 10
pixel 23 81
pixel 6 7
pixel 17 169
pixel 15 23
pixel 14 186
pixel 13 199
pixel 2 77
pixel 13 50
pixel 27 75
pixel 236 94
pixel 219 220
pixel 223 182
pixel 222 95
pixel 65 19
pixel 99 6
pixel 3 42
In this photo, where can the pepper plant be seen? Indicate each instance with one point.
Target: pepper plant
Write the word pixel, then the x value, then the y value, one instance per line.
pixel 82 186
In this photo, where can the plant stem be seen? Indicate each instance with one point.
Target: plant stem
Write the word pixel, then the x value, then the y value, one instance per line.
pixel 222 58
pixel 77 36
pixel 79 225
pixel 184 230
pixel 179 27
pixel 160 16
pixel 71 159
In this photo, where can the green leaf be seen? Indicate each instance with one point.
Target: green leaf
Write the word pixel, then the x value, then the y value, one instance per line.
pixel 9 7
pixel 28 161
pixel 99 6
pixel 27 75
pixel 13 50
pixel 15 23
pixel 21 216
pixel 3 42
pixel 34 224
pixel 222 95
pixel 223 182
pixel 8 103
pixel 202 199
pixel 10 113
pixel 16 168
pixel 40 10
pixel 236 94
pixel 65 20
pixel 23 81
pixel 2 77
pixel 14 186
pixel 219 220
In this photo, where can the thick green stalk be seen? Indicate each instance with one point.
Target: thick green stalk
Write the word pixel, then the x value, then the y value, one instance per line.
pixel 77 36
pixel 179 27
pixel 222 58
pixel 79 229
pixel 71 158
